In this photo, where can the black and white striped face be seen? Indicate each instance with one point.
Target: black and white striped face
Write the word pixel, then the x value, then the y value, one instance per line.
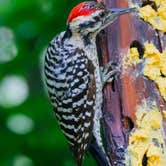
pixel 92 23
pixel 88 17
pixel 92 17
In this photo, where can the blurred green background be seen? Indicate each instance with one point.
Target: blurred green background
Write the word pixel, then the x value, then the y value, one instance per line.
pixel 29 133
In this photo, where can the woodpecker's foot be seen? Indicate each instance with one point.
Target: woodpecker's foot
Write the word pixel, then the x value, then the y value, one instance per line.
pixel 108 74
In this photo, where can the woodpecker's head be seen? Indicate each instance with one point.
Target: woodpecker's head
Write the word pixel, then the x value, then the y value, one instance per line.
pixel 91 17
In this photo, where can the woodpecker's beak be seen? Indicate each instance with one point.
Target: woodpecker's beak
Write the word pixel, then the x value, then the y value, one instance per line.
pixel 114 13
pixel 120 11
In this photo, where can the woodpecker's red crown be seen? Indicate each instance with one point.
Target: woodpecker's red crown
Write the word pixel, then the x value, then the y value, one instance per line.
pixel 84 9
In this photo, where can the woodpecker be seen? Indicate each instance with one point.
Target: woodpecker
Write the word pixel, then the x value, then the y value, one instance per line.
pixel 73 78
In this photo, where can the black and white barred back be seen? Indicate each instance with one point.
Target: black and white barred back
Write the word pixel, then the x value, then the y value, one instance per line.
pixel 72 89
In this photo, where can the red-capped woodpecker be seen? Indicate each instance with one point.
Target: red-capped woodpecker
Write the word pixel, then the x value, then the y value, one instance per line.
pixel 73 76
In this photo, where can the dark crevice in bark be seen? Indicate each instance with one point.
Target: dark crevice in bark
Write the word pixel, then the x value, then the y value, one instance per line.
pixel 151 3
pixel 128 123
pixel 139 46
pixel 159 41
pixel 144 160
pixel 113 86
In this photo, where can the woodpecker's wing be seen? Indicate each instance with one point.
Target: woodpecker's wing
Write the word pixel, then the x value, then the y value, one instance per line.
pixel 71 86
pixel 83 98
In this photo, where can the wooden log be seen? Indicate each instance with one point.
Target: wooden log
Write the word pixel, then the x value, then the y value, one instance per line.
pixel 122 97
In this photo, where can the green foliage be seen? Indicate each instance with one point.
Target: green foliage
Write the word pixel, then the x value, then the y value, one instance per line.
pixel 33 23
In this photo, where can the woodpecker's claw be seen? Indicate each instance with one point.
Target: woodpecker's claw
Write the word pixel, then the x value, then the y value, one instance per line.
pixel 108 74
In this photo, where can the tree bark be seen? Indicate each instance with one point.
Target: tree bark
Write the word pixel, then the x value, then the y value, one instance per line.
pixel 122 97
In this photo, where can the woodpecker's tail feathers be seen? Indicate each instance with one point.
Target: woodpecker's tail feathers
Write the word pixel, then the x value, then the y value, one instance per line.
pixel 80 147
pixel 79 161
pixel 77 156
pixel 98 154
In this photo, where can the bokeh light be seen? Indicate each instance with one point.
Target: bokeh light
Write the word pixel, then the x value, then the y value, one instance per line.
pixel 20 123
pixel 8 49
pixel 46 6
pixel 13 91
pixel 22 161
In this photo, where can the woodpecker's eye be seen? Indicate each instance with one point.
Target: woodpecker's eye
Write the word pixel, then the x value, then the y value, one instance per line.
pixel 96 18
pixel 102 14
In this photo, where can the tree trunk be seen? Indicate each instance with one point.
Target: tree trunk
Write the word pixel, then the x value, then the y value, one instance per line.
pixel 125 94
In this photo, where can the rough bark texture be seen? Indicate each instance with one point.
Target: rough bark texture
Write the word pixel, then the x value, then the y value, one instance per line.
pixel 122 97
